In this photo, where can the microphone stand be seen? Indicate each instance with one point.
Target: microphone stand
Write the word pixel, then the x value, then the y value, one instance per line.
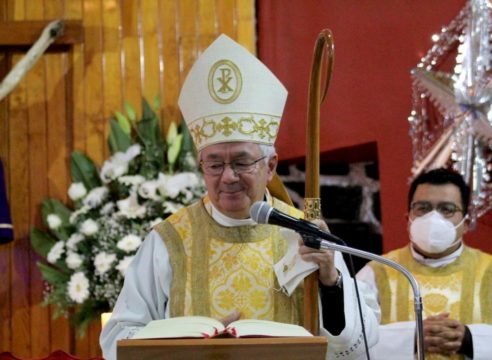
pixel 326 245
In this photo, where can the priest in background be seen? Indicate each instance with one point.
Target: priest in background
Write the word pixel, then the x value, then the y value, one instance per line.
pixel 211 258
pixel 455 279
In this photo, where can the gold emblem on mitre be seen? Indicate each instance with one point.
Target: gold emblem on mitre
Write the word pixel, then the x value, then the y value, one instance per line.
pixel 224 81
pixel 229 95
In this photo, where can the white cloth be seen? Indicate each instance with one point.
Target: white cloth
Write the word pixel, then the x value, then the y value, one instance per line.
pixel 145 295
pixel 397 340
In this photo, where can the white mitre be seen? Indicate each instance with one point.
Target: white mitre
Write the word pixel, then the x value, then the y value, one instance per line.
pixel 229 95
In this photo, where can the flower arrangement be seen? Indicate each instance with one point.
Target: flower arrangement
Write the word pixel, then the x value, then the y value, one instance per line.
pixel 88 249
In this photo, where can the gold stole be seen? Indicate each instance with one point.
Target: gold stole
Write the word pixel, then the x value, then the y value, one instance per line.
pixel 219 269
pixel 461 288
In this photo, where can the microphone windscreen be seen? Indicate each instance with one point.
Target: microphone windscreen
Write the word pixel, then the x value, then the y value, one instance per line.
pixel 260 211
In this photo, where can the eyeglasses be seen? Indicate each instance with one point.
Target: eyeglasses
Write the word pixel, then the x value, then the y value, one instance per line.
pixel 446 209
pixel 216 168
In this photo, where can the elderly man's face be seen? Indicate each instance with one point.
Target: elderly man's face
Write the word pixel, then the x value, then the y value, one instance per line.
pixel 233 192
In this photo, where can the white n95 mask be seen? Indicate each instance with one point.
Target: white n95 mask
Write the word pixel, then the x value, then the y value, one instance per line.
pixel 433 233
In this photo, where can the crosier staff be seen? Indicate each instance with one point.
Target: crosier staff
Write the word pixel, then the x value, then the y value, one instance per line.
pixel 324 48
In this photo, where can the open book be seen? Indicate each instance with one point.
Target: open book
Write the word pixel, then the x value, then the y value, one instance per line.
pixel 205 327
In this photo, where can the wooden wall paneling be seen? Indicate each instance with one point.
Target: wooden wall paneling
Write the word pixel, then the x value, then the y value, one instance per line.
pixel 6 10
pixel 246 15
pixel 56 136
pixel 93 333
pixel 38 189
pixel 19 205
pixel 188 29
pixel 148 23
pixel 74 11
pixel 226 11
pixel 19 180
pixel 58 169
pixel 112 56
pixel 207 23
pixel 93 98
pixel 132 75
pixel 5 250
pixel 168 17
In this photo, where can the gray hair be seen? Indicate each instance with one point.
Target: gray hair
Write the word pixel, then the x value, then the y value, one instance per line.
pixel 267 151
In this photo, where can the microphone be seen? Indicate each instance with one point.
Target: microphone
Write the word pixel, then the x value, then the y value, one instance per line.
pixel 263 213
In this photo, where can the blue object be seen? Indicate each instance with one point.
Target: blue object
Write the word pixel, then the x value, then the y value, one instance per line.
pixel 6 228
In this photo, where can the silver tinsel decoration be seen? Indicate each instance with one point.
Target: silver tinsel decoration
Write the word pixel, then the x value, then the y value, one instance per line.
pixel 451 119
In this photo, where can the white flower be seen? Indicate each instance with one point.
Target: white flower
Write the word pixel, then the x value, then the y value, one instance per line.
pixel 78 287
pixel 118 164
pixel 131 180
pixel 107 209
pixel 148 190
pixel 73 240
pixel 77 191
pixel 96 196
pixel 123 264
pixel 129 243
pixel 112 170
pixel 188 196
pixel 73 260
pixel 171 207
pixel 54 221
pixel 130 208
pixel 155 222
pixel 75 214
pixel 103 262
pixel 55 252
pixel 89 227
pixel 172 185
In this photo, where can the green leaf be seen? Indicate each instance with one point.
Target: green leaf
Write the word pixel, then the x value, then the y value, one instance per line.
pixel 123 122
pixel 55 207
pixel 41 242
pixel 89 311
pixel 130 111
pixel 187 139
pixel 148 128
pixel 157 102
pixel 187 156
pixel 83 170
pixel 172 133
pixel 173 150
pixel 118 139
pixel 53 276
pixel 147 112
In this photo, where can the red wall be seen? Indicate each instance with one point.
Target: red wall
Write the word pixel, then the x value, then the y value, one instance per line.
pixel 377 43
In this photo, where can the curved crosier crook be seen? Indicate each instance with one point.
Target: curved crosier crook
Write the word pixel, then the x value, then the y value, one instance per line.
pixel 324 49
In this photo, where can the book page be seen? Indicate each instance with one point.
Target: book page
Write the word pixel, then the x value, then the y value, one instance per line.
pixel 252 327
pixel 181 327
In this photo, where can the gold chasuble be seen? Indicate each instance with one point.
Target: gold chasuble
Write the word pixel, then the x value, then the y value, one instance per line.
pixel 461 288
pixel 218 269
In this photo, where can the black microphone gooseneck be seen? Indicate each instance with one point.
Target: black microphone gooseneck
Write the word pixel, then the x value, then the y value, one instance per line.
pixel 263 213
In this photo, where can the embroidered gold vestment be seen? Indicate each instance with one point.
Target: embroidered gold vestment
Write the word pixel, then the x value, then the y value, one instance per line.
pixel 218 269
pixel 461 288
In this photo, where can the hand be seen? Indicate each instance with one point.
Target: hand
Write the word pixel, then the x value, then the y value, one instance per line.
pixel 235 315
pixel 325 259
pixel 443 335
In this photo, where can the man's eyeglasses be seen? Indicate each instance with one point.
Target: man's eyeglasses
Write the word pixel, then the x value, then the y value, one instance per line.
pixel 446 209
pixel 216 168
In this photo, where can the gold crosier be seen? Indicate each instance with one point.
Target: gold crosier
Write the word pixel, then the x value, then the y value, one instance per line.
pixel 323 49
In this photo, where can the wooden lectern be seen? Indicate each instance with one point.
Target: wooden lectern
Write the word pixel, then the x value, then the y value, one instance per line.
pixel 285 348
